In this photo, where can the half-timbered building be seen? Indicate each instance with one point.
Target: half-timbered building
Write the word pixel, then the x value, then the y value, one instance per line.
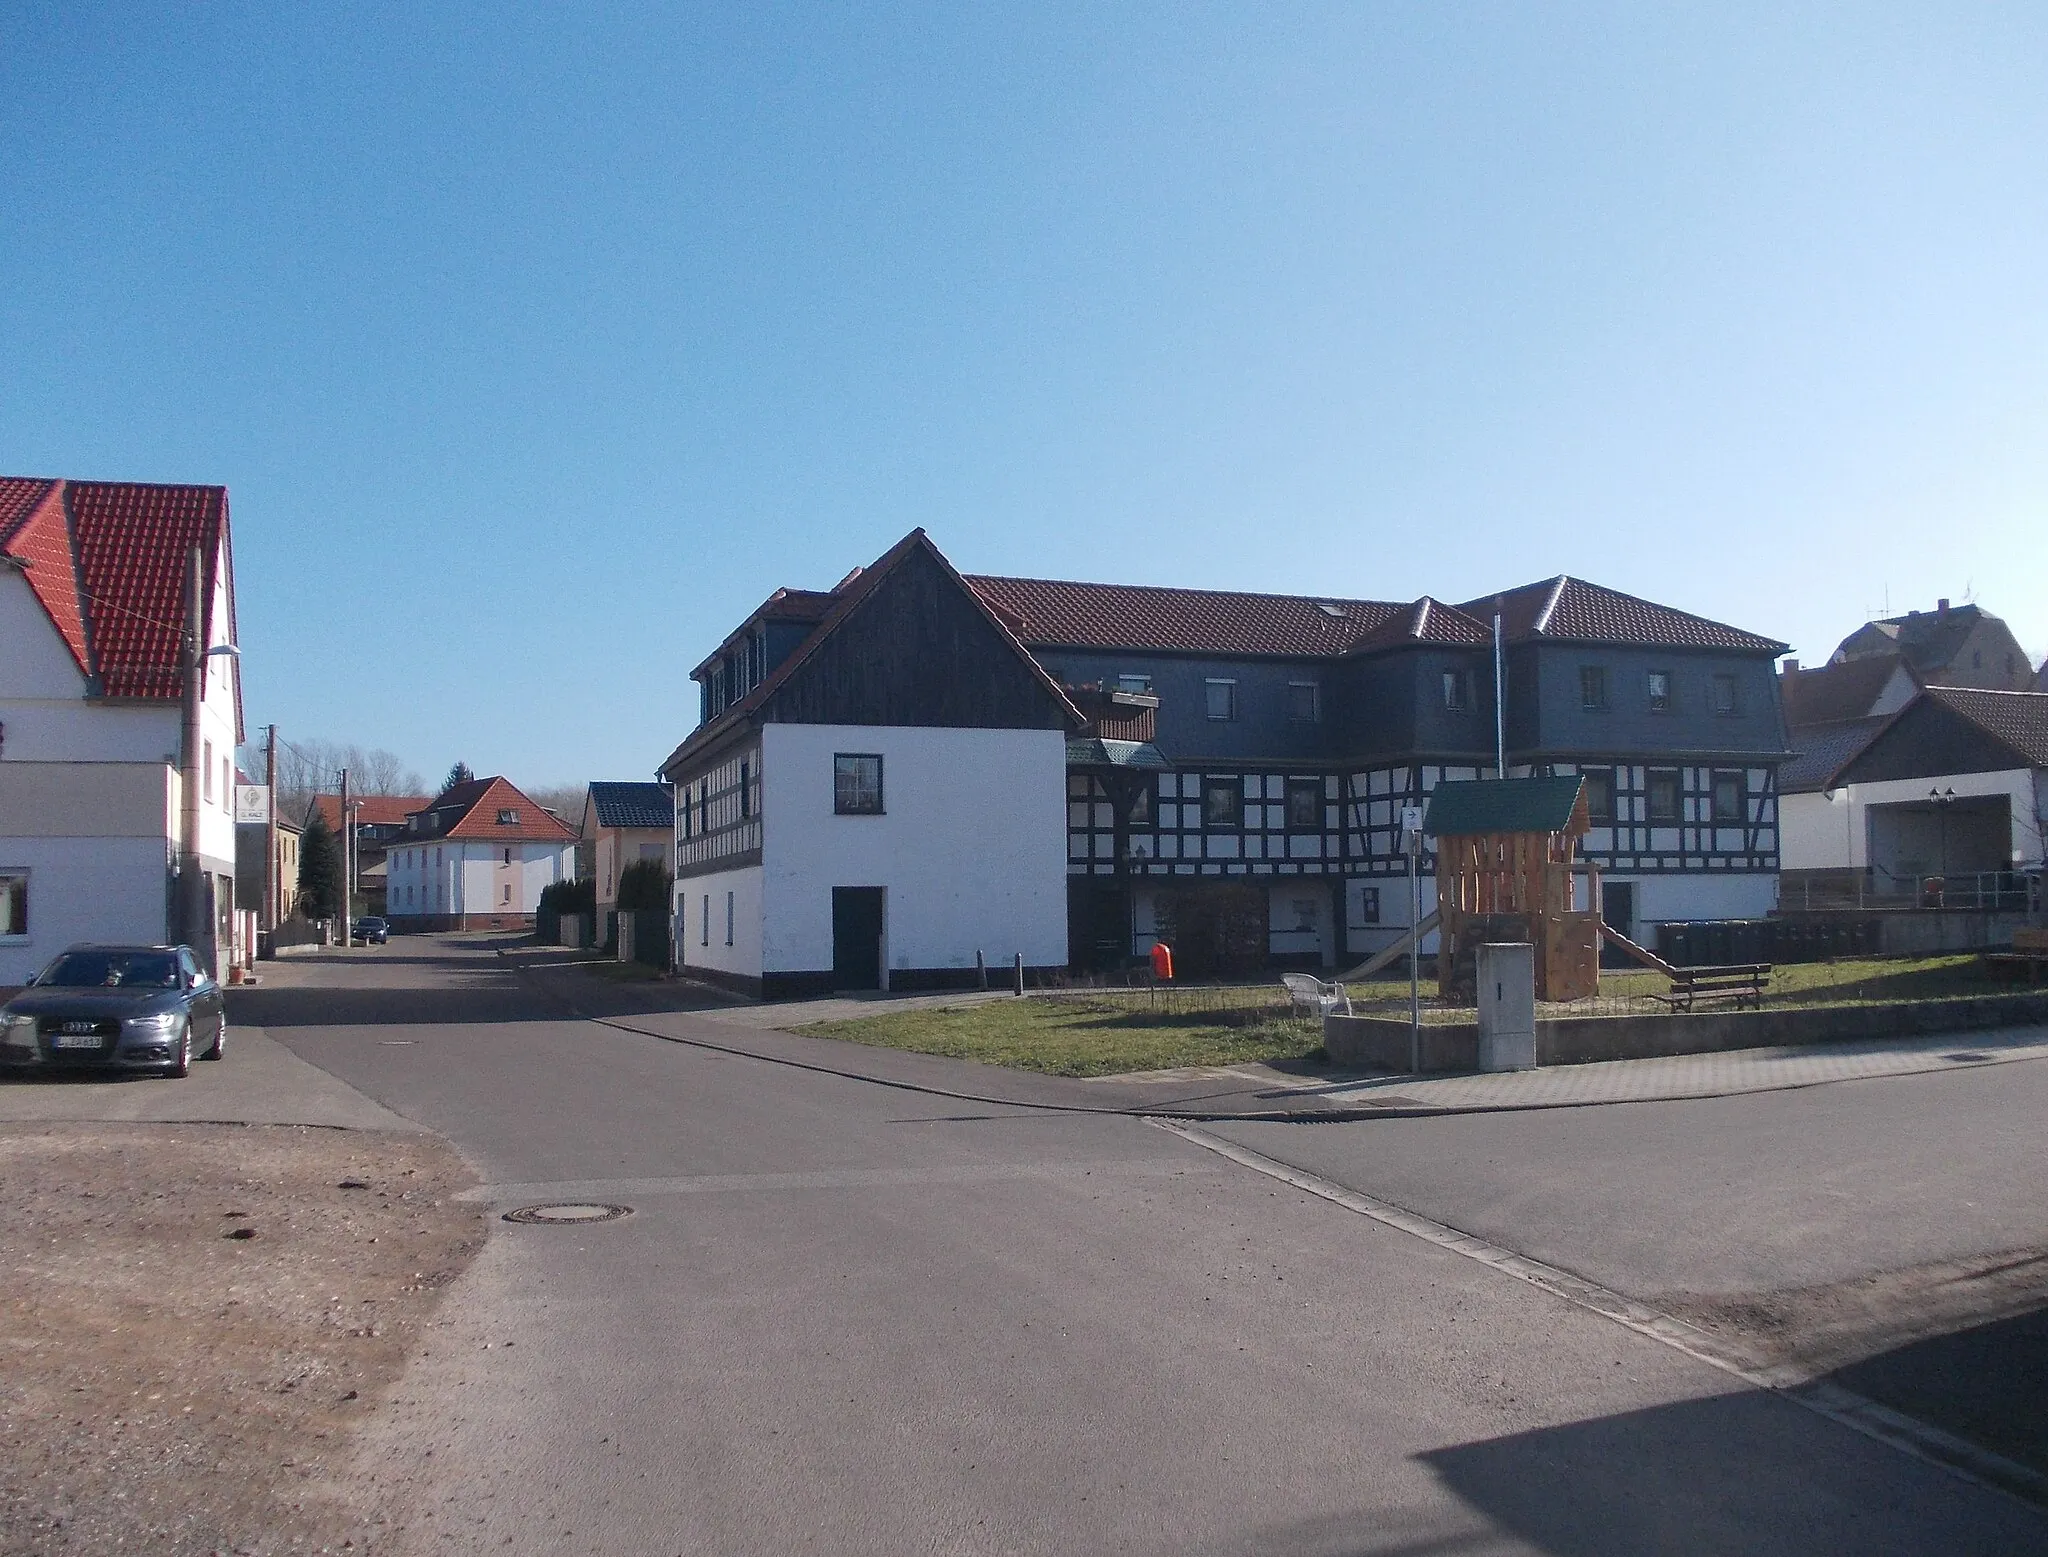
pixel 1238 758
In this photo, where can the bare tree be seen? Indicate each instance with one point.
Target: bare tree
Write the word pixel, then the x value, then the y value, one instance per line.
pixel 313 767
pixel 565 800
pixel 385 773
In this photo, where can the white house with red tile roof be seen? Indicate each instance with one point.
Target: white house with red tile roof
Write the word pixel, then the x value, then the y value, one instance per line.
pixel 475 858
pixel 92 580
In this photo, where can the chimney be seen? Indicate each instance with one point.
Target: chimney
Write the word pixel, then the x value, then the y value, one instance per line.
pixel 1791 667
pixel 1941 609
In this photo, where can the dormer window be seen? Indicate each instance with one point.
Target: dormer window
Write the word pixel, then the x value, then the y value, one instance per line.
pixel 508 818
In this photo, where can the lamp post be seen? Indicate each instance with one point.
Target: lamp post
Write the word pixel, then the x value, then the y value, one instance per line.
pixel 1942 799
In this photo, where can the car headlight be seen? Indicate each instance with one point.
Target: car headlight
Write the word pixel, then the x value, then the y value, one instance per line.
pixel 156 1026
pixel 17 1029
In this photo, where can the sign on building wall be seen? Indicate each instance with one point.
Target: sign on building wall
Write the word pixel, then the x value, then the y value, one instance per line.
pixel 252 803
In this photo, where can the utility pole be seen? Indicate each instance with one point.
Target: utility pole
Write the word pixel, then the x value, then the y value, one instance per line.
pixel 1411 843
pixel 347 887
pixel 1500 707
pixel 271 883
pixel 191 899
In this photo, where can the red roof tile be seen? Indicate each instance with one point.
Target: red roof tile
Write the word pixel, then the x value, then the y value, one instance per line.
pixel 1570 608
pixel 1826 694
pixel 1060 613
pixel 128 571
pixel 1426 621
pixel 470 810
pixel 33 532
pixel 375 810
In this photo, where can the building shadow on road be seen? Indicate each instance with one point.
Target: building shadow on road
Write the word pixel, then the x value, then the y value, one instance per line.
pixel 1746 1472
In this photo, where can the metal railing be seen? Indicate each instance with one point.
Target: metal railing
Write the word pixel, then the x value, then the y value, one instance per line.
pixel 1879 891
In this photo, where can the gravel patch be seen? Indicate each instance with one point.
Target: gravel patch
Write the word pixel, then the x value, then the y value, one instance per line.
pixel 197 1320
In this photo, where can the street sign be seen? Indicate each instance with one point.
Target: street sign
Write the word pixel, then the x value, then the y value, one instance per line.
pixel 1411 829
pixel 252 803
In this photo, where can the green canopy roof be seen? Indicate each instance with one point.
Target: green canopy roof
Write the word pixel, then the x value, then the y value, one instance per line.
pixel 1524 805
pixel 1114 754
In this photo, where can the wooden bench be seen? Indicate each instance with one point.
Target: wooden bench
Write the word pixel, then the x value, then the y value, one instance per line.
pixel 2029 952
pixel 1737 984
pixel 1312 997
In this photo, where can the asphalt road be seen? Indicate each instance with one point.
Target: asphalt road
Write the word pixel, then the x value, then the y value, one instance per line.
pixel 845 1319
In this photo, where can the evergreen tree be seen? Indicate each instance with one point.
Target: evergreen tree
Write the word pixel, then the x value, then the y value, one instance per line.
pixel 644 885
pixel 459 774
pixel 320 869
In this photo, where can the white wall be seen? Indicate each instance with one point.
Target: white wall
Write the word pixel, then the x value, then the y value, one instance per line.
pixel 84 889
pixel 1820 832
pixel 972 848
pixel 744 955
pixel 1699 895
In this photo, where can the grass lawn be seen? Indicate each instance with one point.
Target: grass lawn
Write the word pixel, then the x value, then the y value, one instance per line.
pixel 1112 1032
pixel 1089 1036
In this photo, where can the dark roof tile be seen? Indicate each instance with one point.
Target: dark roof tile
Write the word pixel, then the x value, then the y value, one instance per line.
pixel 623 804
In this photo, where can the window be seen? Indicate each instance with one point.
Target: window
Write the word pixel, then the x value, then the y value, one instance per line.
pixel 1304 913
pixel 1600 796
pixel 1222 802
pixel 1222 698
pixel 13 902
pixel 1304 702
pixel 1138 684
pixel 227 785
pixel 508 856
pixel 706 921
pixel 206 770
pixel 508 818
pixel 1592 686
pixel 856 784
pixel 1729 798
pixel 1727 696
pixel 1368 905
pixel 1458 691
pixel 728 919
pixel 1141 807
pixel 1663 794
pixel 1660 691
pixel 746 800
pixel 508 894
pixel 1304 803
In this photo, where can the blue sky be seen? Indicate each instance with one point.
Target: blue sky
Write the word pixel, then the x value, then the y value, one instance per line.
pixel 537 345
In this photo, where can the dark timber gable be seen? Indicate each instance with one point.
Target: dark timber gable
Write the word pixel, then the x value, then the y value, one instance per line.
pixel 918 649
pixel 1927 739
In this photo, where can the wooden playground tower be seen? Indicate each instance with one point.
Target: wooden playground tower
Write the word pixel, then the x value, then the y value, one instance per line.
pixel 1506 867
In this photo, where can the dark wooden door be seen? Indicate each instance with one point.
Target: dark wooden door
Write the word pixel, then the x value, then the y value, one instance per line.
pixel 1618 912
pixel 857 937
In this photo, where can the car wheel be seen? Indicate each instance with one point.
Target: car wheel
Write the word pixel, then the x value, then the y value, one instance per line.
pixel 183 1062
pixel 220 1041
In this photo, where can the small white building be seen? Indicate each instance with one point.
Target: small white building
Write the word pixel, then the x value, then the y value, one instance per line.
pixel 876 794
pixel 475 859
pixel 1952 786
pixel 92 600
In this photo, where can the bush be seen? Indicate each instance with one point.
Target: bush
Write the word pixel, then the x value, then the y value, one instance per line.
pixel 644 886
pixel 569 897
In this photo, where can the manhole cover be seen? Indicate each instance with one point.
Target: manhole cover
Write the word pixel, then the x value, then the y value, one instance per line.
pixel 573 1213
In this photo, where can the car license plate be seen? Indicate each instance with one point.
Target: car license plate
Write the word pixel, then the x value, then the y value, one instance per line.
pixel 77 1041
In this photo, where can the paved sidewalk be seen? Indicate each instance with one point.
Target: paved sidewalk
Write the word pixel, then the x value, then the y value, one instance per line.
pixel 259 1081
pixel 1688 1075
